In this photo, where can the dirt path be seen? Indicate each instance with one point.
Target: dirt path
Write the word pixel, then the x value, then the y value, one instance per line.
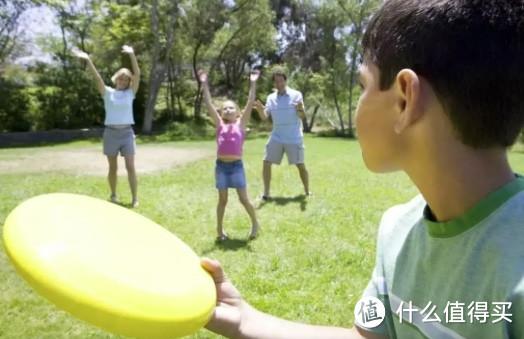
pixel 91 161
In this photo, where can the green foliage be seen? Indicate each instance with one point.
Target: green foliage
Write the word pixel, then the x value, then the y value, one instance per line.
pixel 66 99
pixel 14 107
pixel 10 12
pixel 203 19
pixel 318 41
pixel 190 130
pixel 122 23
pixel 241 43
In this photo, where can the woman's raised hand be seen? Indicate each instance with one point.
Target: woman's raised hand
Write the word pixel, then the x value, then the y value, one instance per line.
pixel 202 76
pixel 255 74
pixel 80 54
pixel 127 49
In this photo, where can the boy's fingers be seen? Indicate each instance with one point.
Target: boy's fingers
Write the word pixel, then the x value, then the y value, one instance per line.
pixel 215 269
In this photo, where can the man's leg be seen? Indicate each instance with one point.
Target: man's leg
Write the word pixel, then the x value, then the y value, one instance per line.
pixel 304 176
pixel 274 154
pixel 266 174
pixel 295 155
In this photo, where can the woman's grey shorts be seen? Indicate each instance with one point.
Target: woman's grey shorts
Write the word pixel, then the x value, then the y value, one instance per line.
pixel 119 140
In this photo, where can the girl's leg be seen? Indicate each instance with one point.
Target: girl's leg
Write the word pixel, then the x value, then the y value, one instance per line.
pixel 131 177
pixel 112 175
pixel 244 200
pixel 221 207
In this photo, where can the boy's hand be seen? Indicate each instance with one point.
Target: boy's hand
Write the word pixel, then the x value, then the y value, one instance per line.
pixel 228 313
pixel 255 74
pixel 127 49
pixel 259 106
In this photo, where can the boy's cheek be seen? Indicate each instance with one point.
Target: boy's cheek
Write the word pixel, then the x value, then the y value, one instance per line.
pixel 377 145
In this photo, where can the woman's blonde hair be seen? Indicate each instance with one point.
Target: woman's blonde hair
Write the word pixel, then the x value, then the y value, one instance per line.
pixel 122 71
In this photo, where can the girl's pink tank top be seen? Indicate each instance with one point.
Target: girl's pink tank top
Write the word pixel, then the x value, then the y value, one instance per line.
pixel 230 139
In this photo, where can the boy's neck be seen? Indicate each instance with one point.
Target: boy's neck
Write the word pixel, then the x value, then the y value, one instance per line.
pixel 453 182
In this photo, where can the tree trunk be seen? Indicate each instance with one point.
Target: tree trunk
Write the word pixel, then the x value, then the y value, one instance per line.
pixel 157 74
pixel 172 89
pixel 335 97
pixel 63 55
pixel 312 121
pixel 198 97
pixel 155 80
pixel 352 74
pixel 153 74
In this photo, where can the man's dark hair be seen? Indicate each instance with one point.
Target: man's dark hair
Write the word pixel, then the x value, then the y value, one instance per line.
pixel 470 51
pixel 280 72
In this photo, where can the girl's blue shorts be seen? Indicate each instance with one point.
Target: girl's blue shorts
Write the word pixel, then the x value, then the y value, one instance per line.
pixel 230 174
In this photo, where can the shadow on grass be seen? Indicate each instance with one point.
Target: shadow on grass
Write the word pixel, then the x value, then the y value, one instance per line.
pixel 230 244
pixel 282 201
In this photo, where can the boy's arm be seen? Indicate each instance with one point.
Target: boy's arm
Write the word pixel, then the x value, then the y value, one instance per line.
pixel 261 326
pixel 134 64
pixel 246 113
pixel 234 318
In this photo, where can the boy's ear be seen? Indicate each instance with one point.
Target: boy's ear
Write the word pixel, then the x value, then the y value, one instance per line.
pixel 408 88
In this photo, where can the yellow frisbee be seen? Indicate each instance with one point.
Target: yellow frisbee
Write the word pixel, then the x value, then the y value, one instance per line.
pixel 109 266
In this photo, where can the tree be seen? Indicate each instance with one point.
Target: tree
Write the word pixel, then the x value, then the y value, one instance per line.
pixel 247 36
pixel 311 39
pixel 10 12
pixel 324 37
pixel 159 57
pixel 14 106
pixel 313 86
pixel 359 13
pixel 318 40
pixel 204 18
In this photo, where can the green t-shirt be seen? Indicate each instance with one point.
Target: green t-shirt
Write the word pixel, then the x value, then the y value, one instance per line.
pixel 468 272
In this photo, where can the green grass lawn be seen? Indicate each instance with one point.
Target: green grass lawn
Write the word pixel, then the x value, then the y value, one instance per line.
pixel 311 262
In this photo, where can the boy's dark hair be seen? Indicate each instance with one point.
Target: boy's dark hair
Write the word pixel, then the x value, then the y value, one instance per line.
pixel 280 72
pixel 470 51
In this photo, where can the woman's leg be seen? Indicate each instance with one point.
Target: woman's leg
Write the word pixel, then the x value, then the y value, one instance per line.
pixel 112 175
pixel 244 200
pixel 221 207
pixel 131 177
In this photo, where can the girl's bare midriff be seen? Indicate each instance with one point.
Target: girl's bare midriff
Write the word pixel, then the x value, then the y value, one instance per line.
pixel 229 158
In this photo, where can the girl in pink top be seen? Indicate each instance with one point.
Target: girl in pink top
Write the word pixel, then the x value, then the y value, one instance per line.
pixel 229 171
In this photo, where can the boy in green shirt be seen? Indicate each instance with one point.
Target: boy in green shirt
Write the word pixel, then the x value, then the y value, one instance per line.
pixel 442 100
